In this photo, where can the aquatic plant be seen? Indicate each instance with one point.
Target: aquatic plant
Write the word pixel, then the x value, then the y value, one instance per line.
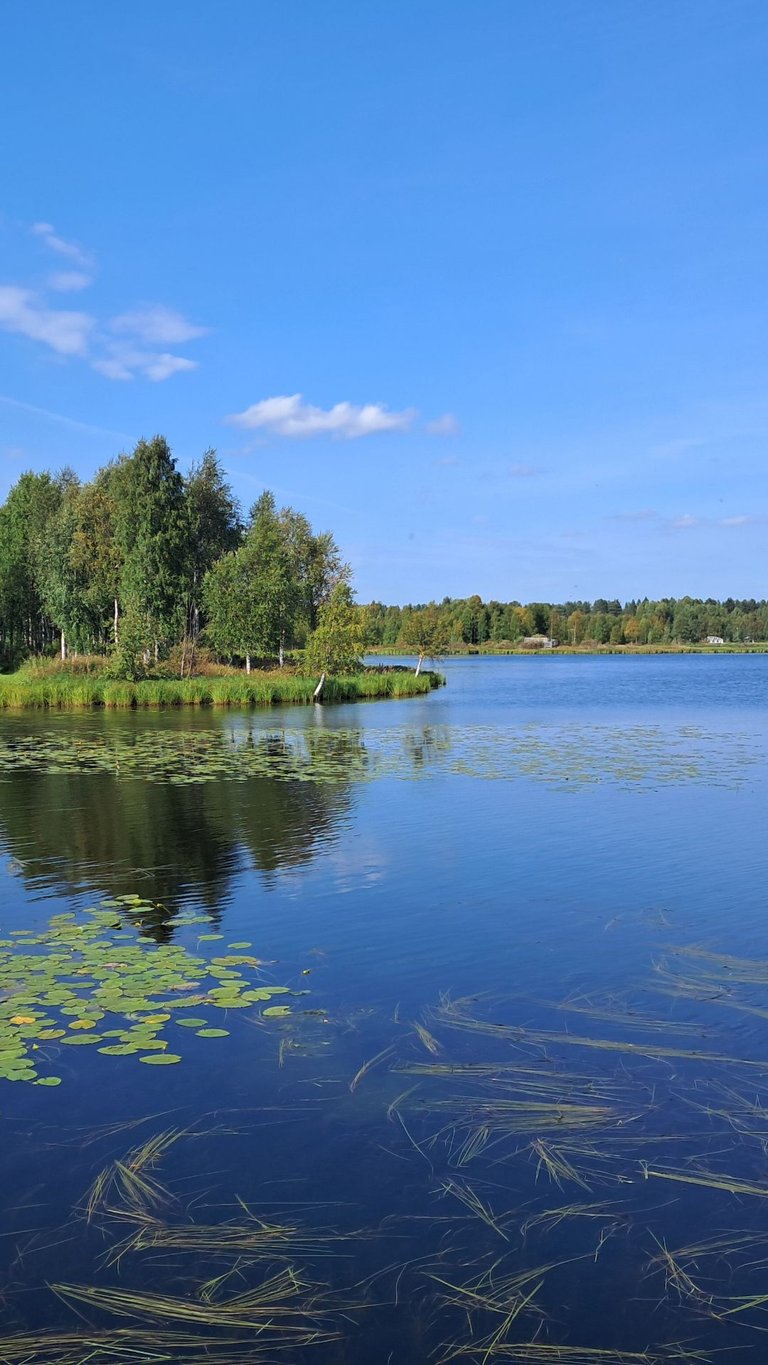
pixel 93 979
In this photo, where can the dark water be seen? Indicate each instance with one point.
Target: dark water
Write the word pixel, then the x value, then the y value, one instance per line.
pixel 557 868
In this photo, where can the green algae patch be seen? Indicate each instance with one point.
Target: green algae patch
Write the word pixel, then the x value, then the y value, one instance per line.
pixel 92 979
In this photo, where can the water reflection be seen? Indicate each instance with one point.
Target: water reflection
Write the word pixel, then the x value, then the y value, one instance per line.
pixel 170 843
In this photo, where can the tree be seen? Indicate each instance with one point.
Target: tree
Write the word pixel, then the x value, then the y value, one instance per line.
pixel 27 511
pixel 153 535
pixel 337 643
pixel 63 584
pixel 250 595
pixel 576 623
pixel 213 517
pixel 95 553
pixel 426 633
pixel 274 562
pixel 317 565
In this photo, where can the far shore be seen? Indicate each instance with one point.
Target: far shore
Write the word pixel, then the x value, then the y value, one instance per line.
pixel 462 651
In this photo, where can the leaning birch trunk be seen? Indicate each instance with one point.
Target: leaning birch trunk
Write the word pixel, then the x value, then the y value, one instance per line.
pixel 318 692
pixel 418 666
pixel 247 663
pixel 63 646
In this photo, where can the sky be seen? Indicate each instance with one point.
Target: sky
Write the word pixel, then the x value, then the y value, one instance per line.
pixel 480 287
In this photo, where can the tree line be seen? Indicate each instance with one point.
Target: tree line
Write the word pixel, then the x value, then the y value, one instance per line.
pixel 142 563
pixel 471 621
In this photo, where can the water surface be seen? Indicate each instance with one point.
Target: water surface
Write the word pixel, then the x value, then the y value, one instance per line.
pixel 539 893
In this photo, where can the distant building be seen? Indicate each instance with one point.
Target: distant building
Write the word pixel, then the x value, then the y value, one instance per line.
pixel 538 642
pixel 715 640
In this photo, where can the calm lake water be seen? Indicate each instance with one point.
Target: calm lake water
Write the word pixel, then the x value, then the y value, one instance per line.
pixel 512 1093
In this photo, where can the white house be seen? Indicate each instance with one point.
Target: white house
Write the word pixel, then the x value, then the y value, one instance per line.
pixel 715 640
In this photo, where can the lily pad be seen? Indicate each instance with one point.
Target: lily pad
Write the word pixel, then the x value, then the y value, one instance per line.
pixel 92 978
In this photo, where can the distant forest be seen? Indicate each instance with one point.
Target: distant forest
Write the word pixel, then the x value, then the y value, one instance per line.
pixel 470 621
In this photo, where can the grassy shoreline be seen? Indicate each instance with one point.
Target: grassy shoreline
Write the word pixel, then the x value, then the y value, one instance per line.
pixel 63 693
pixel 459 652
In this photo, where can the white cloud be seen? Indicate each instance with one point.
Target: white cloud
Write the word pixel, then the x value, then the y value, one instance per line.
pixel 737 521
pixel 47 233
pixel 23 312
pixel 684 523
pixel 157 326
pixel 125 363
pixel 447 425
pixel 135 343
pixel 68 281
pixel 289 415
pixel 162 366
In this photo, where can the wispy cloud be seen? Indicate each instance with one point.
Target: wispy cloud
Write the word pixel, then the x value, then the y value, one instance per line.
pixel 685 523
pixel 741 521
pixel 522 471
pixel 289 416
pixel 71 422
pixel 126 362
pixel 24 312
pixel 447 425
pixel 157 325
pixel 130 345
pixel 69 281
pixel 47 233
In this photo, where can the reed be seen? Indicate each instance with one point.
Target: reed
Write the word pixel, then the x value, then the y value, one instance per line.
pixel 64 693
pixel 283 1304
pixel 709 1179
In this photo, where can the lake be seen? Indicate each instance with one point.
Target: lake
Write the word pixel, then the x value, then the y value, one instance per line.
pixel 394 1032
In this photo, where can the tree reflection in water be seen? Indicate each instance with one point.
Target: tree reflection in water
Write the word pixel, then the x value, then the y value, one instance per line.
pixel 89 831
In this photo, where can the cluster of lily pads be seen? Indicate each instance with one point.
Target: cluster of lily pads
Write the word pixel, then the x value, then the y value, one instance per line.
pixel 190 757
pixel 627 755
pixel 92 979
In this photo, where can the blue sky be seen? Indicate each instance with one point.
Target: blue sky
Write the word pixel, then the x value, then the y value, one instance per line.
pixel 480 286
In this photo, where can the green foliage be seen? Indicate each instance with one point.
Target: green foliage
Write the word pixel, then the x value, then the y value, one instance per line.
pixel 426 632
pixel 152 529
pixel 214 529
pixel 134 562
pixel 24 518
pixel 337 643
pixel 470 622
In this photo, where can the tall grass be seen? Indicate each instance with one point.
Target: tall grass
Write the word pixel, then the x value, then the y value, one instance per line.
pixel 66 693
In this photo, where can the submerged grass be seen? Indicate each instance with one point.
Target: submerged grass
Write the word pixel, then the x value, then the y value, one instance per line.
pixel 283 1303
pixel 709 1179
pixel 264 689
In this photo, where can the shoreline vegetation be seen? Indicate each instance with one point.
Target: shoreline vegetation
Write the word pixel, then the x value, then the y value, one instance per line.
pixel 68 690
pixel 464 651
